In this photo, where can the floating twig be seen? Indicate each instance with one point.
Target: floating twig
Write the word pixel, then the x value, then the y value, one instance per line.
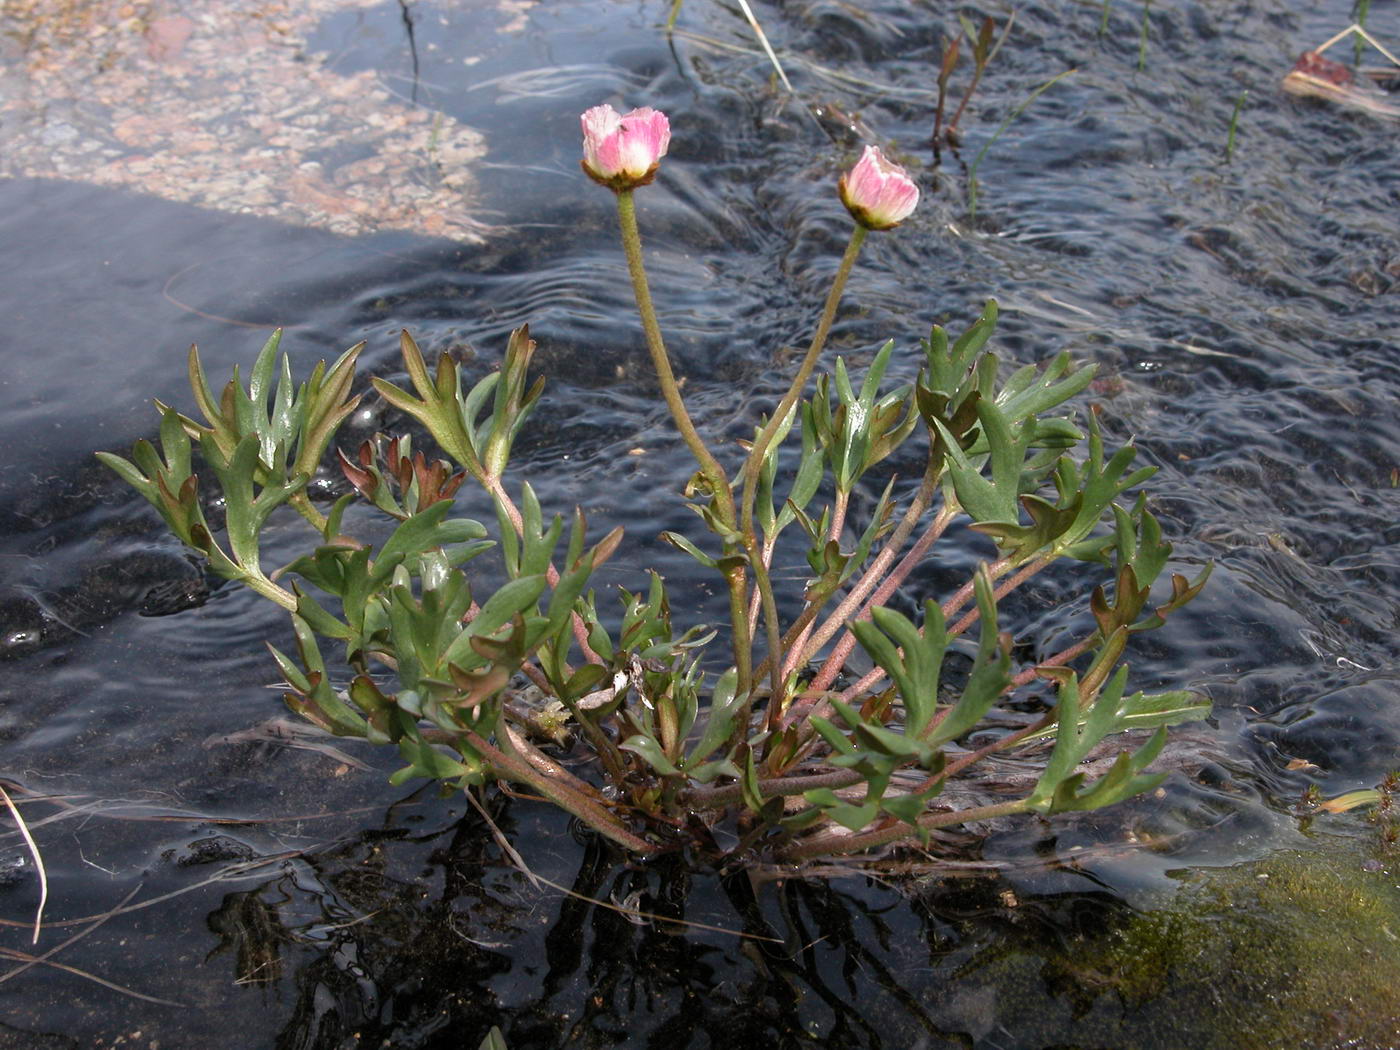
pixel 229 873
pixel 767 48
pixel 496 833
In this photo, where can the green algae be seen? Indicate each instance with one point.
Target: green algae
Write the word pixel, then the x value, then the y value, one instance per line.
pixel 1300 949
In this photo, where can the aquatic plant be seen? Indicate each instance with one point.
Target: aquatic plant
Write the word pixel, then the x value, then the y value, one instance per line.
pixel 769 751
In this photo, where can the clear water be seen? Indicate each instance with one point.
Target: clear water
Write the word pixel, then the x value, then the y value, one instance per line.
pixel 1244 316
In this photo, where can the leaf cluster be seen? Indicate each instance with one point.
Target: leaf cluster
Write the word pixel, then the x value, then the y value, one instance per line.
pixel 472 689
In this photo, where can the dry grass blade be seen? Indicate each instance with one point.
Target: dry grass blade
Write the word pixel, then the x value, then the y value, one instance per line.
pixel 632 914
pixel 35 960
pixel 38 862
pixel 1314 76
pixel 1308 85
pixel 829 76
pixel 767 48
pixel 1360 31
pixel 18 956
pixel 501 840
pixel 145 812
pixel 240 870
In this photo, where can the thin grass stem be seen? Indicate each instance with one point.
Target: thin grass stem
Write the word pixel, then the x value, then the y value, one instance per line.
pixel 1234 125
pixel 972 171
pixel 38 862
pixel 1363 8
pixel 670 392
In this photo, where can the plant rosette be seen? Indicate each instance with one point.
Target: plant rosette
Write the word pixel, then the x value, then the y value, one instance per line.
pixel 771 757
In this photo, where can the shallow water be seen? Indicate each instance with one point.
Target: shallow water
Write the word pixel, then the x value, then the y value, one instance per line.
pixel 1244 316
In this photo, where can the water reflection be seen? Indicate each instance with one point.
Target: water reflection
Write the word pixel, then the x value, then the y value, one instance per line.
pixel 428 940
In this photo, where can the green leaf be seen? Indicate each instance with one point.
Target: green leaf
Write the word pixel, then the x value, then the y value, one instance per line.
pixel 1147 711
pixel 566 594
pixel 675 539
pixel 947 368
pixel 320 621
pixel 990 677
pixel 838 741
pixel 851 817
pixel 512 402
pixel 650 750
pixel 1043 390
pixel 748 785
pixel 1059 787
pixel 723 711
pixel 1023 542
pixel 428 762
pixel 583 681
pixel 513 599
pixel 424 531
pixel 439 406
pixel 915 673
pixel 709 771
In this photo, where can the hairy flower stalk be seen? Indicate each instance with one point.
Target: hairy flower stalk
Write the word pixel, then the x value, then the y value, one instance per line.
pixel 866 594
pixel 621 153
pixel 879 195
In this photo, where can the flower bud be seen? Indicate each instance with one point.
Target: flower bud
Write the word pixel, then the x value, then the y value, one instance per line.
pixel 624 151
pixel 878 194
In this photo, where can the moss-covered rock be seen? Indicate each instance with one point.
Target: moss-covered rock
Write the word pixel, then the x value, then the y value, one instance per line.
pixel 1297 950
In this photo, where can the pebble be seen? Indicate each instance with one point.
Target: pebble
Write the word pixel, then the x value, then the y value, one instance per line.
pixel 124 74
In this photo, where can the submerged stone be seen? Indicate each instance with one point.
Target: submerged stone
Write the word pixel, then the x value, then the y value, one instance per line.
pixel 1300 949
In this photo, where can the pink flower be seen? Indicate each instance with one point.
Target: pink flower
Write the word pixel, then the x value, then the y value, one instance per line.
pixel 624 151
pixel 879 194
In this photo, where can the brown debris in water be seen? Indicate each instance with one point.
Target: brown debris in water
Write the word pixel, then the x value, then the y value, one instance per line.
pixel 1315 76
pixel 219 104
